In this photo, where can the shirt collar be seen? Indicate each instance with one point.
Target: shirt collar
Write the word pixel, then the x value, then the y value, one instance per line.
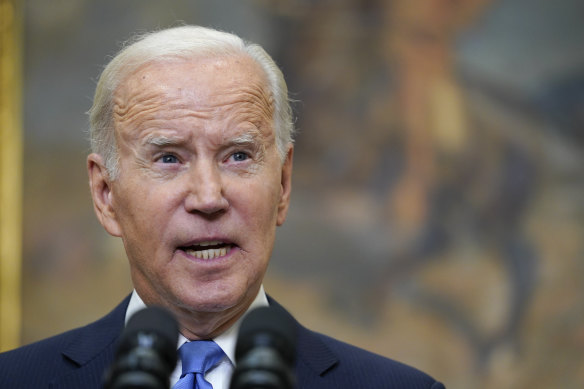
pixel 226 340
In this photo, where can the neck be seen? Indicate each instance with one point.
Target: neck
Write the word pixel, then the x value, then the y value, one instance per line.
pixel 195 325
pixel 208 325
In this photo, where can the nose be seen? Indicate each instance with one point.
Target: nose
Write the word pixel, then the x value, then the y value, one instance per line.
pixel 206 192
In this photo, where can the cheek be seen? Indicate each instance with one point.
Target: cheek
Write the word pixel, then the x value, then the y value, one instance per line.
pixel 258 204
pixel 143 210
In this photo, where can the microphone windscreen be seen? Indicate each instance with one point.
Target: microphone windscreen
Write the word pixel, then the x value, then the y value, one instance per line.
pixel 156 321
pixel 267 327
pixel 146 354
pixel 153 319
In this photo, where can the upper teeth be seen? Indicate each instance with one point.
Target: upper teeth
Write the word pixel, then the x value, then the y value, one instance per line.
pixel 209 253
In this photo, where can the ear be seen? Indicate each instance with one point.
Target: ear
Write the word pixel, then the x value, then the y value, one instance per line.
pixel 101 193
pixel 286 182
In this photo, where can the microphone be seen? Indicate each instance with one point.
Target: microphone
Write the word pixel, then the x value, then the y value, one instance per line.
pixel 266 351
pixel 146 354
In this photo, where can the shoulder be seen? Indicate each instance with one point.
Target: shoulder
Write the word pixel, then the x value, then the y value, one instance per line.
pixel 323 362
pixel 37 364
pixel 355 367
pixel 44 355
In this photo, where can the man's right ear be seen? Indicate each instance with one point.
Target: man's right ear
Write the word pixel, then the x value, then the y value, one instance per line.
pixel 101 193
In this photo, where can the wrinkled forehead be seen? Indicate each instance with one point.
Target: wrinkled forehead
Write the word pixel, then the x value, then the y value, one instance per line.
pixel 205 80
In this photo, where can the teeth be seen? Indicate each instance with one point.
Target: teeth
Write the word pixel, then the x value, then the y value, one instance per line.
pixel 208 254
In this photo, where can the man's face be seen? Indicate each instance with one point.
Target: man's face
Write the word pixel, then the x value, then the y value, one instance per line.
pixel 201 187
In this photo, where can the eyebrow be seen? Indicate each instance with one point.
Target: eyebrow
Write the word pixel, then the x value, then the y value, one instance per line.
pixel 163 140
pixel 244 139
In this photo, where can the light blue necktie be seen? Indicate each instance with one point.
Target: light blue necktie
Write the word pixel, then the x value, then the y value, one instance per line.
pixel 197 358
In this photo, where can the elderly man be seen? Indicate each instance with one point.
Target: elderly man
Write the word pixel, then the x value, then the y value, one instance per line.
pixel 191 167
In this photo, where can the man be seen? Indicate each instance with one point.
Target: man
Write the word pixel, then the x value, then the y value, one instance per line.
pixel 191 167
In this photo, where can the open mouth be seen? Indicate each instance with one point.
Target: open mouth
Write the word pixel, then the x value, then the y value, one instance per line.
pixel 208 250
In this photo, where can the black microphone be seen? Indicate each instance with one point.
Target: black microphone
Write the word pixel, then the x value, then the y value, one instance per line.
pixel 266 351
pixel 146 354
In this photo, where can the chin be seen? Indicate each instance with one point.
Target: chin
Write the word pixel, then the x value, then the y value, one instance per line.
pixel 211 301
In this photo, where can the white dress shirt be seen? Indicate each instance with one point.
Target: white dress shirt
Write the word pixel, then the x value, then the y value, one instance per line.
pixel 220 375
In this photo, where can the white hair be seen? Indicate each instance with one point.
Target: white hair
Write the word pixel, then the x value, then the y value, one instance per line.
pixel 180 43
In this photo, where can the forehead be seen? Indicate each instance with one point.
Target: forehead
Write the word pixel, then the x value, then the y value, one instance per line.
pixel 203 84
pixel 199 78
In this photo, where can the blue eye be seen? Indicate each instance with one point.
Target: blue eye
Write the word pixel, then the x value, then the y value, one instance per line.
pixel 169 158
pixel 240 156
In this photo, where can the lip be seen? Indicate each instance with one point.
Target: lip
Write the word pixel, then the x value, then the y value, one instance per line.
pixel 198 241
pixel 231 247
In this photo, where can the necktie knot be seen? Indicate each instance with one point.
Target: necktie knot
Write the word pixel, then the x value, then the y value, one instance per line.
pixel 198 357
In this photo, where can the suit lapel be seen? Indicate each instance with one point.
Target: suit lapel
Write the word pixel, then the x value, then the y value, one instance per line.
pixel 91 350
pixel 314 353
pixel 313 356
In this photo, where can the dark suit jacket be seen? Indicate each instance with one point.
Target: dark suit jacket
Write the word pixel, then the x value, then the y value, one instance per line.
pixel 78 358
